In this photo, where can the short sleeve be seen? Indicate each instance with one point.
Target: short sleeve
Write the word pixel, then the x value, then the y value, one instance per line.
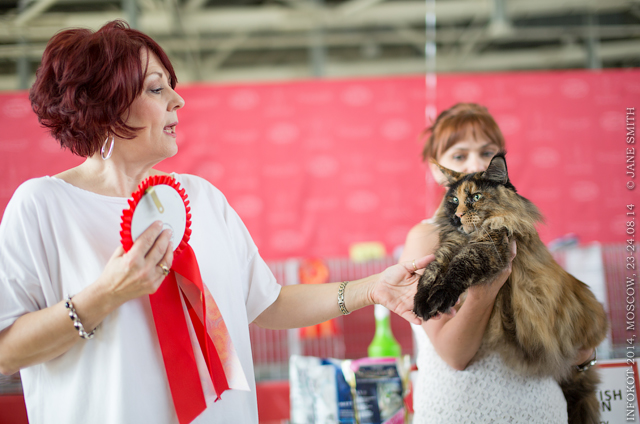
pixel 23 265
pixel 263 288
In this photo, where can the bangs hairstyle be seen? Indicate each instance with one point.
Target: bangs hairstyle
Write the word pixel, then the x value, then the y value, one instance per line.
pixel 455 124
pixel 87 81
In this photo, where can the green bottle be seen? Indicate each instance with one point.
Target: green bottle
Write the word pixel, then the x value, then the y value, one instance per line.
pixel 383 343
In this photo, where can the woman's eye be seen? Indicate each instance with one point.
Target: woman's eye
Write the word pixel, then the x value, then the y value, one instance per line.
pixel 477 197
pixel 156 90
pixel 458 157
pixel 489 154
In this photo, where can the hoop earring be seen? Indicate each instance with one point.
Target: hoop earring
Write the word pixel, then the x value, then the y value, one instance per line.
pixel 104 145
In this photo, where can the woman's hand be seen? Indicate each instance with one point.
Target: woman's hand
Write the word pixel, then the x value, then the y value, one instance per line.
pixel 397 286
pixel 138 272
pixel 42 335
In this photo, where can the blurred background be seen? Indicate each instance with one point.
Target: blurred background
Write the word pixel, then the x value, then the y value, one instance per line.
pixel 308 115
pixel 246 40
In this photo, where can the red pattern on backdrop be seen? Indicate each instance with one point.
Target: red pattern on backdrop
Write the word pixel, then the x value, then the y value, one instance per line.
pixel 312 167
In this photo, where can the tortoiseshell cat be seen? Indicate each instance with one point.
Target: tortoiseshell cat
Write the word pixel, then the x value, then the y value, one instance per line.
pixel 542 315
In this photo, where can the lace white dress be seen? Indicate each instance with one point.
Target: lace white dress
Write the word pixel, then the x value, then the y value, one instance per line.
pixel 487 391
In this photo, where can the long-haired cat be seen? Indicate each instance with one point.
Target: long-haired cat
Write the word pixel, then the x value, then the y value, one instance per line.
pixel 542 315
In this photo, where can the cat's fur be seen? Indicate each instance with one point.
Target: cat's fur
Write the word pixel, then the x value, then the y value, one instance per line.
pixel 542 315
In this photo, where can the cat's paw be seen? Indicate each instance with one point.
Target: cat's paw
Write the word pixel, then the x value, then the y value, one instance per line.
pixel 420 302
pixel 429 277
pixel 427 281
pixel 440 300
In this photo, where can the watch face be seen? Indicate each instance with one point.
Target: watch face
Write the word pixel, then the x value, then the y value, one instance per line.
pixel 160 203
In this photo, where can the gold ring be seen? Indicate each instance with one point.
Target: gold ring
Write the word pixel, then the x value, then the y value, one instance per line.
pixel 415 268
pixel 164 269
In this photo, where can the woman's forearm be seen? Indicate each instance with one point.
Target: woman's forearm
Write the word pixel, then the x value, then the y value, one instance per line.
pixel 43 335
pixel 40 336
pixel 309 304
pixel 303 305
pixel 457 339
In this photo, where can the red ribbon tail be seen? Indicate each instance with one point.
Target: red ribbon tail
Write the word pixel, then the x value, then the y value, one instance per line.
pixel 211 355
pixel 177 351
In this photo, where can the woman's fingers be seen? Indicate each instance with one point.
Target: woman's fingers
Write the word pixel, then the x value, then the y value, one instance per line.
pixel 165 264
pixel 138 271
pixel 159 248
pixel 146 240
pixel 411 317
pixel 118 252
pixel 167 259
pixel 514 249
pixel 417 264
pixel 152 244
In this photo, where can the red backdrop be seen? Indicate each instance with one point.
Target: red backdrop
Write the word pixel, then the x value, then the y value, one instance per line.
pixel 312 167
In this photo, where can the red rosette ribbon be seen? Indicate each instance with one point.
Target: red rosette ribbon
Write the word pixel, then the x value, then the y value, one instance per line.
pixel 170 319
pixel 127 214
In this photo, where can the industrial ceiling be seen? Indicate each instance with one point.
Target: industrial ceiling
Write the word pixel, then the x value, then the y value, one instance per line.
pixel 253 40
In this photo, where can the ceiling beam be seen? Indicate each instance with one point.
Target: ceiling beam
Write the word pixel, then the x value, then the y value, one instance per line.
pixel 449 37
pixel 540 58
pixel 193 5
pixel 36 9
pixel 355 6
pixel 284 19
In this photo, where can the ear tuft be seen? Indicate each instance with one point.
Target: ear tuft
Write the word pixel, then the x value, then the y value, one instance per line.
pixel 497 170
pixel 452 176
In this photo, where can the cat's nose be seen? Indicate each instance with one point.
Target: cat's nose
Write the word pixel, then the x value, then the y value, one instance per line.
pixel 460 214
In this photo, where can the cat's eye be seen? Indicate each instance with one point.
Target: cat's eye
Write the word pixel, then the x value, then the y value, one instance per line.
pixel 454 200
pixel 477 197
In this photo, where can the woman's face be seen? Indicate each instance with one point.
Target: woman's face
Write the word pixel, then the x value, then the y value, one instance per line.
pixel 467 155
pixel 155 112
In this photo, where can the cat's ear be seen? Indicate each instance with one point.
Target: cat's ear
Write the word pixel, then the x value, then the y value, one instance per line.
pixel 450 175
pixel 497 170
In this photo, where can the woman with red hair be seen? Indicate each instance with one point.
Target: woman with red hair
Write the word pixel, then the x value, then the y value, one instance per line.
pixel 110 97
pixel 458 381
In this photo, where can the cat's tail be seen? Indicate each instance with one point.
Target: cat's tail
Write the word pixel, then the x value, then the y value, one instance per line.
pixel 580 391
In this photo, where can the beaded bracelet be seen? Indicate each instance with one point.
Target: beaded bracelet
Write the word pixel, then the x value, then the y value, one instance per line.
pixel 341 304
pixel 76 321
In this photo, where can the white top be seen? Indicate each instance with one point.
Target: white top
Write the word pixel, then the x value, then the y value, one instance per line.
pixel 55 239
pixel 487 391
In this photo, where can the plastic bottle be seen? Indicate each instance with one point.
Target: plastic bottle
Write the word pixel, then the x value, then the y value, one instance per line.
pixel 383 343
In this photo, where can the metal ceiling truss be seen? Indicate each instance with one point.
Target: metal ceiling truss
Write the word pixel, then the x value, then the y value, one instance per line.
pixel 224 40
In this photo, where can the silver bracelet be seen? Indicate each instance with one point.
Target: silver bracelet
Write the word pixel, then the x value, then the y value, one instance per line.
pixel 76 321
pixel 586 365
pixel 341 304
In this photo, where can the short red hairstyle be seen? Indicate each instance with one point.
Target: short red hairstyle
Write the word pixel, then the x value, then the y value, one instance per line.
pixel 455 123
pixel 88 80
